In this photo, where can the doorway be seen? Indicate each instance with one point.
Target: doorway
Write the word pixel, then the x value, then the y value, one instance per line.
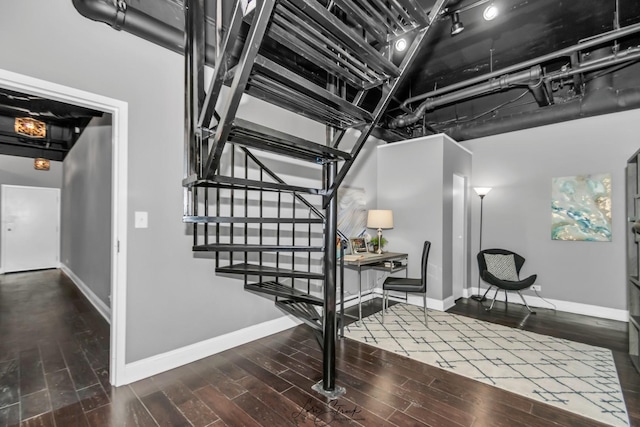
pixel 459 236
pixel 30 228
pixel 119 113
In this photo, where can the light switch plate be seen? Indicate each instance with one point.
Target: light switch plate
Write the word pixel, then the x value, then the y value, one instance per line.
pixel 141 219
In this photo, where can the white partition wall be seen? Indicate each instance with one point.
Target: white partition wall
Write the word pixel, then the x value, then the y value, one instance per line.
pixel 416 180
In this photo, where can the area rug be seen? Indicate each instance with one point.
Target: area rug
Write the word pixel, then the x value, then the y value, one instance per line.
pixel 576 377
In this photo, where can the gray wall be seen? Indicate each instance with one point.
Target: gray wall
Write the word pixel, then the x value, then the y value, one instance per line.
pixel 519 166
pixel 458 161
pixel 415 180
pixel 173 298
pixel 19 171
pixel 86 208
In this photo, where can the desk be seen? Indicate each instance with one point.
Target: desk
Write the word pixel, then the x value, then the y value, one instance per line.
pixel 376 262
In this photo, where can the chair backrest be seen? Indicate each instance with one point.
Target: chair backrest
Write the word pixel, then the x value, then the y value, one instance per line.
pixel 425 258
pixel 482 264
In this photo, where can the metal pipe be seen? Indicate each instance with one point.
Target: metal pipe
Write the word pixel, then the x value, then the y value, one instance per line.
pixel 604 38
pixel 139 24
pixel 534 74
pixel 595 104
pixel 535 82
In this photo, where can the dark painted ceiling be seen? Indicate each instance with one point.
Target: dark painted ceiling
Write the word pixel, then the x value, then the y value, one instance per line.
pixel 525 30
pixel 64 124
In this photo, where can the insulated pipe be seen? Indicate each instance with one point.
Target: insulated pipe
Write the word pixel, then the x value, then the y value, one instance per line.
pixel 534 74
pixel 604 38
pixel 137 23
pixel 595 104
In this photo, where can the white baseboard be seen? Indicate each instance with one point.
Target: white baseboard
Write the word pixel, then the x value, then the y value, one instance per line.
pixel 153 365
pixel 99 305
pixel 566 306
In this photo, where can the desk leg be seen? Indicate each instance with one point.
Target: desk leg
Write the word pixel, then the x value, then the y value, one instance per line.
pixel 359 293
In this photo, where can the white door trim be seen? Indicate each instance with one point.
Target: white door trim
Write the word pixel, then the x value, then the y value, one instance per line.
pixel 120 116
pixel 3 244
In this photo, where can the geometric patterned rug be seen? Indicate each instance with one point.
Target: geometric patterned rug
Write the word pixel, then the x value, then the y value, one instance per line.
pixel 576 377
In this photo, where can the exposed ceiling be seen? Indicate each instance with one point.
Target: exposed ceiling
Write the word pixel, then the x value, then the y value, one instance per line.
pixel 536 63
pixel 63 122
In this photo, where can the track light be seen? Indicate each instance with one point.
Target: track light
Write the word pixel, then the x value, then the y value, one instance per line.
pixel 490 12
pixel 401 45
pixel 456 25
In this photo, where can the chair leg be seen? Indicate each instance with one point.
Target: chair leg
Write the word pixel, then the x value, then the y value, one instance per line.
pixel 385 301
pixel 484 296
pixel 426 319
pixel 525 303
pixel 495 295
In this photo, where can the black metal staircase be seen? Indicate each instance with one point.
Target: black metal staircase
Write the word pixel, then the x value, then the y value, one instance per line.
pixel 330 61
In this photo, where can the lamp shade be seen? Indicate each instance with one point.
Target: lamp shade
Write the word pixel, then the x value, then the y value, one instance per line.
pixel 380 219
pixel 482 191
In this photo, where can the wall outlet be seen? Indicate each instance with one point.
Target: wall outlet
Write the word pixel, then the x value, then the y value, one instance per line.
pixel 536 288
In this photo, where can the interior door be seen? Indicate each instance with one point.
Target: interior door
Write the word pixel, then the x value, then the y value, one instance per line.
pixel 30 228
pixel 458 258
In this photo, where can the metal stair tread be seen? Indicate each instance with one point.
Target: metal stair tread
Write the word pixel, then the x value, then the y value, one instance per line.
pixel 303 311
pixel 280 290
pixel 261 137
pixel 248 220
pixel 269 90
pixel 263 270
pixel 243 247
pixel 348 37
pixel 241 183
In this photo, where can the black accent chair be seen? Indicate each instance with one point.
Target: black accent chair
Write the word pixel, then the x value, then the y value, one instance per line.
pixel 407 285
pixel 502 275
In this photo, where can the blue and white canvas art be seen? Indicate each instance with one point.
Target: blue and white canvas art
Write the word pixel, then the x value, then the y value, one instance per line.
pixel 581 208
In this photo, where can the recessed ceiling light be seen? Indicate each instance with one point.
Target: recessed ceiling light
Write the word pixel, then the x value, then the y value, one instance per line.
pixel 490 12
pixel 401 45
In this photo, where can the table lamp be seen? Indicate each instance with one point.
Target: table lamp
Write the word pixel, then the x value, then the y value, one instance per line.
pixel 380 219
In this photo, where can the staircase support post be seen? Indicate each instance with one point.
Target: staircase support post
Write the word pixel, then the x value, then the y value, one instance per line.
pixel 327 386
pixel 194 56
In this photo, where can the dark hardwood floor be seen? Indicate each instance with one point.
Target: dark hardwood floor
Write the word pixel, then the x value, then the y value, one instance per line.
pixel 54 355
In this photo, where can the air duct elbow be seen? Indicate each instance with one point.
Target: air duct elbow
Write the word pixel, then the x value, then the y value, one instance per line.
pixel 101 11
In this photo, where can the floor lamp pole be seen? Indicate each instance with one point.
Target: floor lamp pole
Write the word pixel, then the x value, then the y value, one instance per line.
pixel 479 297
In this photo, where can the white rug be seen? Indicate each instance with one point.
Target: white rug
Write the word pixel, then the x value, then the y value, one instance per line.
pixel 576 377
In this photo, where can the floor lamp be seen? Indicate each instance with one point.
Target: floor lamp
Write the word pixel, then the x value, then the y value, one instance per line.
pixel 481 191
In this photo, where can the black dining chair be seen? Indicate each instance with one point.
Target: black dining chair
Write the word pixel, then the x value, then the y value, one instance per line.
pixel 501 268
pixel 407 285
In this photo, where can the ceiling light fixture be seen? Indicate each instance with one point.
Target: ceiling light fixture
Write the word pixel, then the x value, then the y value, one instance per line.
pixel 41 164
pixel 30 127
pixel 401 45
pixel 490 12
pixel 456 25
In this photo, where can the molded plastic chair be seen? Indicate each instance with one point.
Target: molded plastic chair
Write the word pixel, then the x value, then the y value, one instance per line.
pixel 501 268
pixel 401 284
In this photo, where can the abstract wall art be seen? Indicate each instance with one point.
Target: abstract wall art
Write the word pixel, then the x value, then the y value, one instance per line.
pixel 352 211
pixel 581 208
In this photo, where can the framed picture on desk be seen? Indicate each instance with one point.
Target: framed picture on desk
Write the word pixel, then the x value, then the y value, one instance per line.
pixel 358 245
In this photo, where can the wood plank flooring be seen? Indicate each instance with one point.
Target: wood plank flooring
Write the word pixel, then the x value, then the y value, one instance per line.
pixel 54 356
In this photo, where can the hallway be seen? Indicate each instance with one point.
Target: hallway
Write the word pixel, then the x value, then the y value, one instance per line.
pixel 54 350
